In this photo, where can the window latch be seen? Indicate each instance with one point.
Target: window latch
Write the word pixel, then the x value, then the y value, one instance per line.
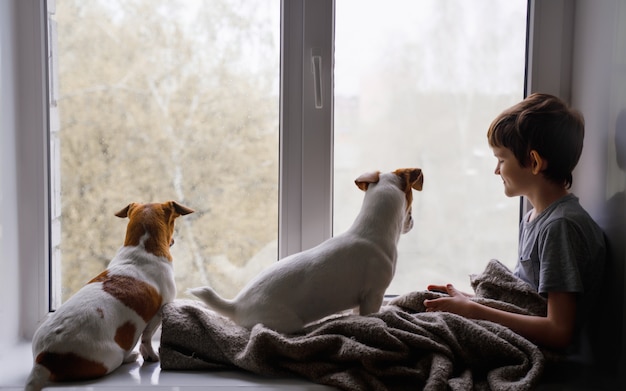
pixel 316 63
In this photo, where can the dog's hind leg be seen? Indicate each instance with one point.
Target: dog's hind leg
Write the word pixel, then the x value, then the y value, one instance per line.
pixel 371 303
pixel 284 322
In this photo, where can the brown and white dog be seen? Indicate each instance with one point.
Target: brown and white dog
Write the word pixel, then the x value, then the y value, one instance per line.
pixel 96 330
pixel 347 271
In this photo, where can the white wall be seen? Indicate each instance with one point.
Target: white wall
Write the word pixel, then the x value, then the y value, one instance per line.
pixel 577 50
pixel 9 287
pixel 599 91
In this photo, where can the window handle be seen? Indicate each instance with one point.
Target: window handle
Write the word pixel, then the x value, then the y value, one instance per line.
pixel 316 62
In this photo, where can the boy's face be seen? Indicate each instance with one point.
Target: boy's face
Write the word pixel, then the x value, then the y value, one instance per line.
pixel 517 180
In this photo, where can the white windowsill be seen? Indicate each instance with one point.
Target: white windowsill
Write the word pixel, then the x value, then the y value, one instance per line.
pixel 15 364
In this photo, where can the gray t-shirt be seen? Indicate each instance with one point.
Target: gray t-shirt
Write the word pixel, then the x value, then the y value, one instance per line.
pixel 563 250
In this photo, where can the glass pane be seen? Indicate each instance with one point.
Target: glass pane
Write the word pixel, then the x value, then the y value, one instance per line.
pixel 417 84
pixel 160 100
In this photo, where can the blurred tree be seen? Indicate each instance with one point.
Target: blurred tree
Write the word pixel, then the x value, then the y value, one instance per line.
pixel 168 100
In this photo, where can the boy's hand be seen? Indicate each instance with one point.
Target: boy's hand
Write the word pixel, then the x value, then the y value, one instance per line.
pixel 458 302
pixel 444 289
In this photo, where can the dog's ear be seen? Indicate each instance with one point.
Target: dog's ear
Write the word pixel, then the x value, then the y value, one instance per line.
pixel 417 179
pixel 412 176
pixel 180 209
pixel 364 180
pixel 124 212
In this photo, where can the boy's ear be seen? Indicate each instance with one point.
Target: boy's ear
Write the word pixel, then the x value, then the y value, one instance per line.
pixel 537 163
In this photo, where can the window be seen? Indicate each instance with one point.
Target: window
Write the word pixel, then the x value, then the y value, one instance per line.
pixel 417 84
pixel 161 100
pixel 156 100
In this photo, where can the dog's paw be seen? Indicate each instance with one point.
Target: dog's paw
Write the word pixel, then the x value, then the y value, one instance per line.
pixel 148 353
pixel 131 357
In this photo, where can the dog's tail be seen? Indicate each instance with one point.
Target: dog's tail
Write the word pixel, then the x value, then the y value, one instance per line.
pixel 215 301
pixel 37 379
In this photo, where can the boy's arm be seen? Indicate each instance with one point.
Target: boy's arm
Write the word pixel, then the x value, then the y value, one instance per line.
pixel 552 331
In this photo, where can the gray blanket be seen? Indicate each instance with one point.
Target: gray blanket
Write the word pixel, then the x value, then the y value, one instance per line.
pixel 401 347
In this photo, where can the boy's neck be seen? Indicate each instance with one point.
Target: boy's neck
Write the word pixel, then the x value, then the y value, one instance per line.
pixel 545 196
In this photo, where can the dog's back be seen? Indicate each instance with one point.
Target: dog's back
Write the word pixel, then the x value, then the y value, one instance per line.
pixel 308 271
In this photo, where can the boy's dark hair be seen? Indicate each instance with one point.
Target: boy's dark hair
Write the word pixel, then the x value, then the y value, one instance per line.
pixel 543 123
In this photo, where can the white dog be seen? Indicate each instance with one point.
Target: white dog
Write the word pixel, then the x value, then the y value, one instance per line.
pixel 96 330
pixel 347 271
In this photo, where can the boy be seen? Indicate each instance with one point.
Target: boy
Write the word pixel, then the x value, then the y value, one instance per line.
pixel 561 250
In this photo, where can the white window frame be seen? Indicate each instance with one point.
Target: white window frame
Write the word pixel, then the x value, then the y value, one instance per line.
pixel 305 198
pixel 306 135
pixel 32 163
